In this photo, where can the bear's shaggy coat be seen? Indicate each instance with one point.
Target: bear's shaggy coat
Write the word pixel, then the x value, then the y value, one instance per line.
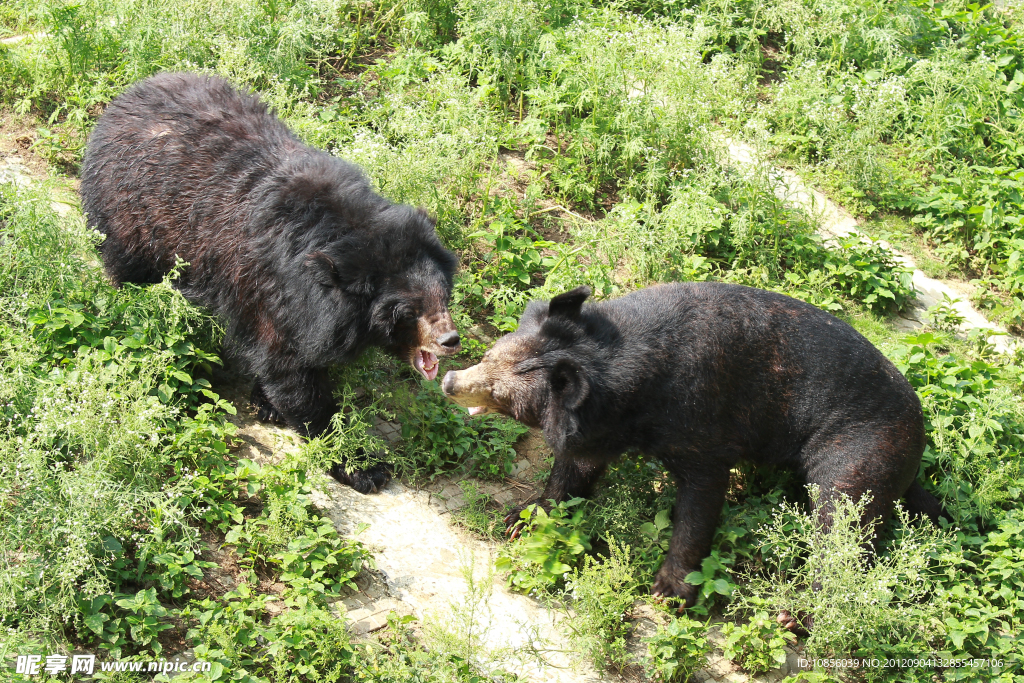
pixel 289 245
pixel 702 376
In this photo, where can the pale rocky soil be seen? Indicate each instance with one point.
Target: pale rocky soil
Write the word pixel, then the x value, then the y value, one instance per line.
pixel 835 221
pixel 424 564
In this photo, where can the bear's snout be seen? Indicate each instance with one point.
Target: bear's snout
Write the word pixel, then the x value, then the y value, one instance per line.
pixel 448 384
pixel 471 389
pixel 449 341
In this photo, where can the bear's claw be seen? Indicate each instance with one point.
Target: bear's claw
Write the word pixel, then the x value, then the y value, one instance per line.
pixel 666 588
pixel 265 410
pixel 798 627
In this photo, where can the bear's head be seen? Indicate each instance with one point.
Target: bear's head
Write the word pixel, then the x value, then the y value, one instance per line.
pixel 397 274
pixel 540 374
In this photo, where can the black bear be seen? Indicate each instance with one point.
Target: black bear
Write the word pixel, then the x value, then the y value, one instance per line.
pixel 702 375
pixel 290 246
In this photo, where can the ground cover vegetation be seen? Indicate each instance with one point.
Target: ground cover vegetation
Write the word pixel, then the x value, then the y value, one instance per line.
pixel 558 144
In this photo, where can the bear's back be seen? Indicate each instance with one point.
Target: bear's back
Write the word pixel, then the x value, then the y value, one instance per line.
pixel 789 367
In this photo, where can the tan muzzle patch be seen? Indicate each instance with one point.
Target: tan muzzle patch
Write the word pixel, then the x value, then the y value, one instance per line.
pixel 470 388
pixel 437 336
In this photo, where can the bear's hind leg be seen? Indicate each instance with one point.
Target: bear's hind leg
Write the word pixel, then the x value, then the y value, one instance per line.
pixel 879 462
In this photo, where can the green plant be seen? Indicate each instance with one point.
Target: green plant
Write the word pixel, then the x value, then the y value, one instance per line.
pixel 858 604
pixel 601 592
pixel 144 618
pixel 498 46
pixel 864 270
pixel 442 438
pixel 319 562
pixel 479 514
pixel 110 631
pixel 551 544
pixel 677 650
pixel 713 579
pixel 973 428
pixel 351 439
pixel 944 315
pixel 757 645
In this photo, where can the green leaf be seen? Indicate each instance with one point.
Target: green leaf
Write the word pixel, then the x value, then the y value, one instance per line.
pixel 95 622
pixel 662 520
pixel 112 545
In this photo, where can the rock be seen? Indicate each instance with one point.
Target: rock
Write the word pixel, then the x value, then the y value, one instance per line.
pixel 425 563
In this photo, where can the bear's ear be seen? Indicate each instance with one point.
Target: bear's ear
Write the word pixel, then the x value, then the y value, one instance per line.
pixel 568 383
pixel 430 220
pixel 568 304
pixel 321 267
pixel 569 388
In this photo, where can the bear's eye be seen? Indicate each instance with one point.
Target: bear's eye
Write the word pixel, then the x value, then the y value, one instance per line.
pixel 404 313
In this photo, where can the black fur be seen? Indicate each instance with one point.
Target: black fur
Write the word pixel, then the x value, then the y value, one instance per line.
pixel 702 376
pixel 290 246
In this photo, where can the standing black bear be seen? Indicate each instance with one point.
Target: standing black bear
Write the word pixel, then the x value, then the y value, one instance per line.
pixel 288 244
pixel 702 376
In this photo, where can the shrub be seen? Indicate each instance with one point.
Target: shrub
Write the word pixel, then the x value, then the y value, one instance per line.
pixel 601 593
pixel 757 645
pixel 677 650
pixel 859 604
pixel 551 544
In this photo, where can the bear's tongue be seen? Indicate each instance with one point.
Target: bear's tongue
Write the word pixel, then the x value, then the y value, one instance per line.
pixel 425 363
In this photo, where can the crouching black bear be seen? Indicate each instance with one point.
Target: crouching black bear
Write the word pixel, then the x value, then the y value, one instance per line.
pixel 702 376
pixel 289 245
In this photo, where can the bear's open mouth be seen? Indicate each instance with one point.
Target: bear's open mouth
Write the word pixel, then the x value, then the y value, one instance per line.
pixel 425 363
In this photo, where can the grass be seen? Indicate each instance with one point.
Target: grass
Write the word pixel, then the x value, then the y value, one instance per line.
pixel 116 457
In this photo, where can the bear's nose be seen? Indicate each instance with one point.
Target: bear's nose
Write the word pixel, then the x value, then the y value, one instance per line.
pixel 448 385
pixel 449 340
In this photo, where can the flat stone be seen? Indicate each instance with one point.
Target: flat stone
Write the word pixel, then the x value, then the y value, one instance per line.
pixel 188 655
pixel 734 677
pixel 369 624
pixel 714 636
pixel 793 663
pixel 719 666
pixel 520 467
pixel 360 614
pixel 353 603
pixel 424 559
pixel 503 497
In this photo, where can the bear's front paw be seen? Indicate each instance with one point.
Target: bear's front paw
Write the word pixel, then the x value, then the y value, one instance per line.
pixel 669 584
pixel 265 410
pixel 370 480
pixel 800 627
pixel 514 521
